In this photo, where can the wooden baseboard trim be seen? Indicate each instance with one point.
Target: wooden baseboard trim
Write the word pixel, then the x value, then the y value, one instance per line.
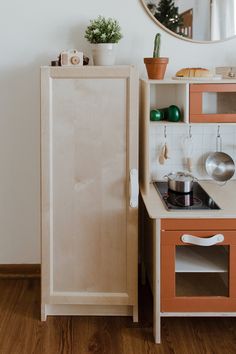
pixel 85 310
pixel 15 271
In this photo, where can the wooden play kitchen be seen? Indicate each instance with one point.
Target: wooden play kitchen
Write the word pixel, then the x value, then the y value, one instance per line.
pixel 90 199
pixel 189 239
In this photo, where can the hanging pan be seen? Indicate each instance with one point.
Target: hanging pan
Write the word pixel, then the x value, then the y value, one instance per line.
pixel 219 165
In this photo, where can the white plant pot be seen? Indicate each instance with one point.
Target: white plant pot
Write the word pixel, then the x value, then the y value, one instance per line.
pixel 104 53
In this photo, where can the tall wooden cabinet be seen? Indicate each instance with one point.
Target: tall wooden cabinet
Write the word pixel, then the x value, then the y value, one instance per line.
pixel 89 154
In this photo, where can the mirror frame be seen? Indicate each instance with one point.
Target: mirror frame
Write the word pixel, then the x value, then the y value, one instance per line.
pixel 177 35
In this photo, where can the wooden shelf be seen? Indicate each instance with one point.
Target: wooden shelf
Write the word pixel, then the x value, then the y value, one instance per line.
pixel 197 259
pixel 170 94
pixel 162 122
pixel 188 81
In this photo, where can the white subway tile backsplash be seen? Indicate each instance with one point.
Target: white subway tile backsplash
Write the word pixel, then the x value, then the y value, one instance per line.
pixel 203 140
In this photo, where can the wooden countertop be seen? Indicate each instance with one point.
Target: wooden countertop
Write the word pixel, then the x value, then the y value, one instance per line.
pixel 224 196
pixel 189 81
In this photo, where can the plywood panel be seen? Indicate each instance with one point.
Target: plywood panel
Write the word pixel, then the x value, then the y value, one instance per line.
pixel 89 136
pixel 89 185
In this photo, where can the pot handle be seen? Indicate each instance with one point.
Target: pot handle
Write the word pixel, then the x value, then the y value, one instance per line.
pixel 193 177
pixel 201 241
pixel 168 175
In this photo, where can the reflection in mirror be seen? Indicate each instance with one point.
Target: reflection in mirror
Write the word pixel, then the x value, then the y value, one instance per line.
pixel 199 20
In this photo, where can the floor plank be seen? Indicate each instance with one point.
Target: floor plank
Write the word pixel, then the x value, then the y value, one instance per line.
pixel 21 331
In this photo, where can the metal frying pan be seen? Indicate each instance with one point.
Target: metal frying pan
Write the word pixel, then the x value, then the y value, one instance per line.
pixel 219 165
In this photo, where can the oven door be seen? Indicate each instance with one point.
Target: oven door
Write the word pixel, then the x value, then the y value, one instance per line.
pixel 198 271
pixel 212 103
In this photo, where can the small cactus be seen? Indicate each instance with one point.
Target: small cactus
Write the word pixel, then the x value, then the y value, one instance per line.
pixel 157 44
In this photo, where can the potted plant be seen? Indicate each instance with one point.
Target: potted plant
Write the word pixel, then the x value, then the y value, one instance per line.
pixel 103 34
pixel 156 66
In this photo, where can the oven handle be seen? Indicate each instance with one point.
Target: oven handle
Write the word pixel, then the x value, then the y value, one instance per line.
pixel 202 241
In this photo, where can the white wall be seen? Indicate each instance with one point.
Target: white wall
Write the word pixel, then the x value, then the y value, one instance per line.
pixel 33 33
pixel 203 143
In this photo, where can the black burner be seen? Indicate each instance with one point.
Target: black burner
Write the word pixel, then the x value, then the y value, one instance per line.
pixel 185 200
pixel 197 199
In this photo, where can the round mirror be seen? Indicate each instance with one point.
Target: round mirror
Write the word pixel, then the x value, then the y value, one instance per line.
pixel 195 20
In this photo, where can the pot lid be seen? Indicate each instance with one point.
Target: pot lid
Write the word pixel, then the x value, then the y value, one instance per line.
pixel 180 176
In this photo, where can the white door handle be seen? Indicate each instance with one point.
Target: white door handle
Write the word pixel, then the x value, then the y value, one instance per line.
pixel 200 241
pixel 133 188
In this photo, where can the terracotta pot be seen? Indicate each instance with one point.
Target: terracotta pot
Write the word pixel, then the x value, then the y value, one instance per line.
pixel 156 67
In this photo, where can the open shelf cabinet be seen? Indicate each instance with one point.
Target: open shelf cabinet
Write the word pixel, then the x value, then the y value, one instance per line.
pixel 198 259
pixel 158 94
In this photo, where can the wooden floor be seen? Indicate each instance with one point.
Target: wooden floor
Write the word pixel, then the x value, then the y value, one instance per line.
pixel 22 332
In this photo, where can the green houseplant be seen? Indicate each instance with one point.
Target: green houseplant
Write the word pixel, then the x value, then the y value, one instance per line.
pixel 156 66
pixel 103 33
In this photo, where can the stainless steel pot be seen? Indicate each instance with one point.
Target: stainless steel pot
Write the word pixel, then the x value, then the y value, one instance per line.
pixel 180 182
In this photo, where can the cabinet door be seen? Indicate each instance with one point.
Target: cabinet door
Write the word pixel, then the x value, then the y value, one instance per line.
pixel 89 228
pixel 212 103
pixel 198 278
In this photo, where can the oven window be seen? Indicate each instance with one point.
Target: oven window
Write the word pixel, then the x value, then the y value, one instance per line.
pixel 218 102
pixel 202 271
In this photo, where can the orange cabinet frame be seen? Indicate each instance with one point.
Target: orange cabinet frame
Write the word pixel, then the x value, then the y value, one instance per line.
pixel 172 303
pixel 196 103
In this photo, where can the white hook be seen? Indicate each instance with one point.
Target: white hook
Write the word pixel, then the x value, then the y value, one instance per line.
pixel 165 133
pixel 190 131
pixel 218 140
pixel 218 131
